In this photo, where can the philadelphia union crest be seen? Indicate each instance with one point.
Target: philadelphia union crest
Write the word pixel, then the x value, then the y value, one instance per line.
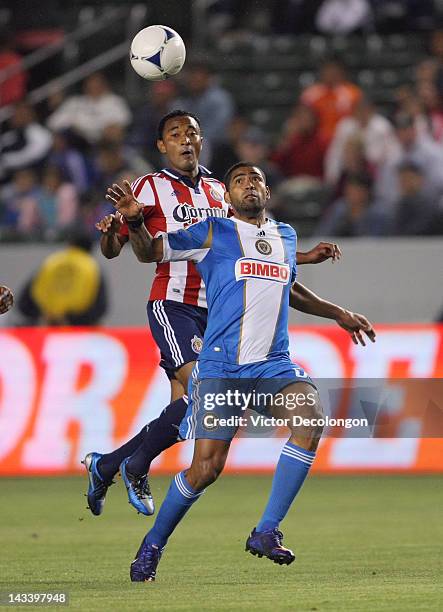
pixel 263 247
pixel 196 344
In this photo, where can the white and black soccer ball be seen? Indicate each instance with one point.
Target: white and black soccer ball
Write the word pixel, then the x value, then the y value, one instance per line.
pixel 157 52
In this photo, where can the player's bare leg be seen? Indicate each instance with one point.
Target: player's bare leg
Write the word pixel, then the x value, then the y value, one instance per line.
pixel 293 466
pixel 207 463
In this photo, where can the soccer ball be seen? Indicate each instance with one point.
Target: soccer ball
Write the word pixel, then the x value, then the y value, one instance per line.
pixel 157 52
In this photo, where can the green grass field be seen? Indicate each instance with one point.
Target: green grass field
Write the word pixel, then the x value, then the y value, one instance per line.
pixel 366 543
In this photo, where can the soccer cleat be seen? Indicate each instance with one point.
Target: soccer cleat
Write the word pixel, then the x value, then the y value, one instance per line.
pixel 139 493
pixel 144 566
pixel 269 544
pixel 97 486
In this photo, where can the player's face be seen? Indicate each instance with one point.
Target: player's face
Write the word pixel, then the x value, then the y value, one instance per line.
pixel 247 191
pixel 181 143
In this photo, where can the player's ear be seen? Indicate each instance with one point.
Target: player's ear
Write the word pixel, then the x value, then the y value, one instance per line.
pixel 161 146
pixel 268 193
pixel 227 197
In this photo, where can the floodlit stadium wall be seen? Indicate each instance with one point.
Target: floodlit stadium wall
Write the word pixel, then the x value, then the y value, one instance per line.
pixel 391 280
pixel 66 392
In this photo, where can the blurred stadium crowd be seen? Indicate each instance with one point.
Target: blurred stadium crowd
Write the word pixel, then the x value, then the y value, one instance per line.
pixel 340 161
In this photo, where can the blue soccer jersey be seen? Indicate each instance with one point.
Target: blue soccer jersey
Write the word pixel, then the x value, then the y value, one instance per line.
pixel 248 272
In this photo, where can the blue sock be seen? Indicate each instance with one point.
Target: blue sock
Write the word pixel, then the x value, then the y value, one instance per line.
pixel 177 502
pixel 291 471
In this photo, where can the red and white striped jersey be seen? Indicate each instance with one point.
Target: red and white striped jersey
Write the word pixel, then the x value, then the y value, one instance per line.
pixel 171 203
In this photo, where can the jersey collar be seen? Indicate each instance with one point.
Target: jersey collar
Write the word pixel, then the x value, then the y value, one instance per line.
pixel 202 171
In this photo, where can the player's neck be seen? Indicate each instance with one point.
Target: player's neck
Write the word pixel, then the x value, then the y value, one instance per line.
pixel 258 220
pixel 190 174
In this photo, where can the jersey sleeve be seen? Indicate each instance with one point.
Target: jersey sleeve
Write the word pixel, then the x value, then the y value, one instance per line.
pixel 192 244
pixel 294 263
pixel 294 272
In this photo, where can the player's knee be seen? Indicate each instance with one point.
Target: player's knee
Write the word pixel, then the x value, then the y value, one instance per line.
pixel 316 416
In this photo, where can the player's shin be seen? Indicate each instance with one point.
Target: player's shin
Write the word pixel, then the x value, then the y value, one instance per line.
pixel 177 502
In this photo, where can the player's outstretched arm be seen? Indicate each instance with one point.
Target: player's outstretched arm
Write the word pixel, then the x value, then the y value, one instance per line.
pixel 321 252
pixel 304 300
pixel 6 299
pixel 111 243
pixel 146 248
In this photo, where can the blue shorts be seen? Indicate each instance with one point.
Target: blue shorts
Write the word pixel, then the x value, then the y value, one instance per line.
pixel 178 331
pixel 213 379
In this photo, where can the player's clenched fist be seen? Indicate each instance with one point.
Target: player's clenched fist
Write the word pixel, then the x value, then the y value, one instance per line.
pixel 110 224
pixel 123 199
pixel 6 299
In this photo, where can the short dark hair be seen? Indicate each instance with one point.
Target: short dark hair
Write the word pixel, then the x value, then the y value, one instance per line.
pixel 410 166
pixel 172 115
pixel 78 238
pixel 240 164
pixel 362 179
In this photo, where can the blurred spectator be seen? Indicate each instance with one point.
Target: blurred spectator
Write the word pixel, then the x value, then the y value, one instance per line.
pixel 431 102
pixel 343 16
pixel 57 203
pixel 114 135
pixel 110 163
pixel 436 46
pixel 13 87
pixel 19 214
pixel 412 147
pixel 25 144
pixel 414 211
pixel 67 289
pixel 302 148
pixel 374 131
pixel 159 102
pixel 90 113
pixel 355 214
pixel 224 153
pixel 354 162
pixel 212 104
pixel 34 209
pixel 254 147
pixel 71 162
pixel 332 97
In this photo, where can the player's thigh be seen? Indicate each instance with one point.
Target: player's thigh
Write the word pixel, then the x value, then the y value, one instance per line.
pixel 300 400
pixel 177 389
pixel 177 330
pixel 183 374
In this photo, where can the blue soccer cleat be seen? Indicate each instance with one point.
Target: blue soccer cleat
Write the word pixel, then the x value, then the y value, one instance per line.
pixel 139 493
pixel 144 566
pixel 269 544
pixel 97 486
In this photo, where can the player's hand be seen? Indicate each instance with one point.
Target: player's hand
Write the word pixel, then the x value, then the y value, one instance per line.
pixel 320 253
pixel 356 325
pixel 110 224
pixel 123 199
pixel 6 299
